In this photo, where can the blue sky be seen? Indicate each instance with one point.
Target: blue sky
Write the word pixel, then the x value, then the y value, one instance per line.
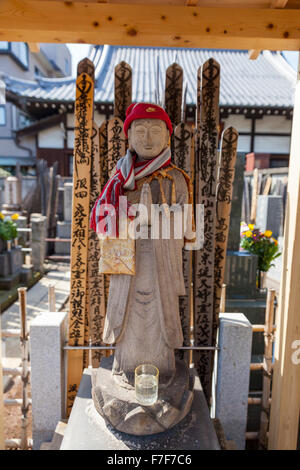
pixel 79 51
pixel 292 58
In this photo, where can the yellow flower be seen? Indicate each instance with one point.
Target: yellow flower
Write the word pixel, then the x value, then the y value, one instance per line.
pixel 15 216
pixel 251 226
pixel 1 216
pixel 268 233
pixel 248 233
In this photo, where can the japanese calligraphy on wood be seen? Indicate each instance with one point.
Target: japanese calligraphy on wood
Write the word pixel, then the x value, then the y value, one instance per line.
pixel 84 106
pixel 95 292
pixel 223 207
pixel 182 159
pixel 173 92
pixel 123 89
pixel 116 143
pixel 206 173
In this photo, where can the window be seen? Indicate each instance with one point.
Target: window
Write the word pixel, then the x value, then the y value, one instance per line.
pixel 24 120
pixel 2 116
pixel 20 51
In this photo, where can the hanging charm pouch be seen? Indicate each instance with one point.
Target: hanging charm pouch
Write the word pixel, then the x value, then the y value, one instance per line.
pixel 117 255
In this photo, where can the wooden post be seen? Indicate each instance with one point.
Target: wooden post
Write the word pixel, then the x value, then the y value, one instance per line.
pixel 267 373
pixel 285 409
pixel 1 398
pixel 84 107
pixel 25 371
pixel 206 176
pixel 267 186
pixel 254 196
pixel 51 298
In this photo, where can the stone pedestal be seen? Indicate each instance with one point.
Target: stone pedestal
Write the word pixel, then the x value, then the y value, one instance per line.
pixel 10 268
pixel 4 264
pixel 269 214
pixel 68 190
pixel 87 430
pixel 38 244
pixel 240 274
pixel 233 371
pixel 22 236
pixel 242 295
pixel 12 193
pixel 47 338
pixel 119 407
pixel 8 282
pixel 26 273
pixel 63 230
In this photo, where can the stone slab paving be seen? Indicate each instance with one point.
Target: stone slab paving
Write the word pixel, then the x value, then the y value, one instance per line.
pixel 37 302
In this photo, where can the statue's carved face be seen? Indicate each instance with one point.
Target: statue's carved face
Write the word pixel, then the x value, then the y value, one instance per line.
pixel 148 137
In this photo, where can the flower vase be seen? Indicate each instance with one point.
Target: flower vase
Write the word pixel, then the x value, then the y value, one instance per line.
pixel 16 242
pixel 8 245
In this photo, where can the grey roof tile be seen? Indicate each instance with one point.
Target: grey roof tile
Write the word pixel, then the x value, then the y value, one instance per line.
pixel 268 81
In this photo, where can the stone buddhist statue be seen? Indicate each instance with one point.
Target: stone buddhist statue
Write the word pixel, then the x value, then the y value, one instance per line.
pixel 146 277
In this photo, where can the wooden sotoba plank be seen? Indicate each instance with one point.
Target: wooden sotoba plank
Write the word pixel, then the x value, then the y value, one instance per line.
pixel 84 108
pixel 116 143
pixel 149 25
pixel 206 175
pixel 223 207
pixel 173 93
pixel 123 89
pixel 95 294
pixel 182 159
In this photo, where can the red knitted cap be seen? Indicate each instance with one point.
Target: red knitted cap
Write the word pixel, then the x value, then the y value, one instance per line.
pixel 146 111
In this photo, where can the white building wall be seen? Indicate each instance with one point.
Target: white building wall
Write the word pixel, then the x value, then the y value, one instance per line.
pixel 272 144
pixel 52 137
pixel 262 143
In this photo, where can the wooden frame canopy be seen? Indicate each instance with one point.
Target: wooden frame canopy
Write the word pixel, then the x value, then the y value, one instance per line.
pixel 152 23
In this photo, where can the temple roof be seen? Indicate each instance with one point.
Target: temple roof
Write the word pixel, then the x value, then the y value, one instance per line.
pixel 268 81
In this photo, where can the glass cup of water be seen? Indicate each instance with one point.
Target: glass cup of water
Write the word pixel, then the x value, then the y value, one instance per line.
pixel 146 384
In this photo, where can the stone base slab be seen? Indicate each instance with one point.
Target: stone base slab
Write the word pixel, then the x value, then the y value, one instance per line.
pixel 87 430
pixel 8 282
pixel 63 229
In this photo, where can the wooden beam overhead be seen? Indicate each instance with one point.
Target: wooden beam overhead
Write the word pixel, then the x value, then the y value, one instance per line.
pixel 254 53
pixel 278 3
pixel 149 25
